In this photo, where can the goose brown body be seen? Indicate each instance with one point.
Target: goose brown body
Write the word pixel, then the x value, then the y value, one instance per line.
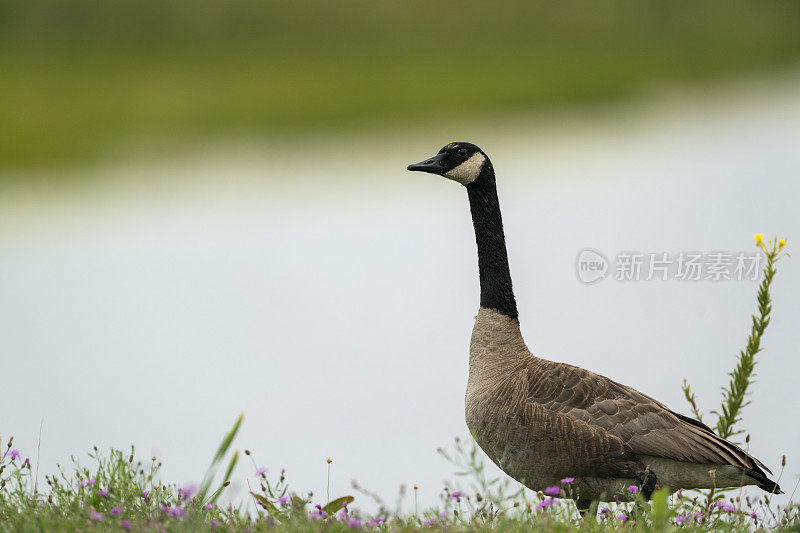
pixel 541 421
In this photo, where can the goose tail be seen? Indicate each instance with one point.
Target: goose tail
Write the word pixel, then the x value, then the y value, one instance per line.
pixel 764 483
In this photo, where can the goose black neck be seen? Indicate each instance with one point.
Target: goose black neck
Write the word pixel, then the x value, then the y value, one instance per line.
pixel 495 276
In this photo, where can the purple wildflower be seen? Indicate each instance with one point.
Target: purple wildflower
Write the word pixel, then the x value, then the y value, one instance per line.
pixel 544 504
pixel 443 514
pixel 116 511
pixel 95 516
pixel 430 523
pixel 214 523
pixel 176 511
pixel 354 523
pixel 344 503
pixel 283 500
pixel 728 508
pixel 342 514
pixel 633 489
pixel 262 471
pixel 102 493
pixel 13 454
pixel 680 519
pixel 146 493
pixel 316 514
pixel 188 491
pixel 622 517
pixel 568 480
pixel 26 462
pixel 552 491
pixel 754 515
pixel 375 522
pixel 208 507
pixel 456 495
pixel 698 516
pixel 125 524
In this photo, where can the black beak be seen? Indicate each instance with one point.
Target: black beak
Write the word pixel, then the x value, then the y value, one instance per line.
pixel 432 165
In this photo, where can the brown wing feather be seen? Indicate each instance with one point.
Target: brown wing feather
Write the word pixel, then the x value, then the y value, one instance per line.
pixel 645 426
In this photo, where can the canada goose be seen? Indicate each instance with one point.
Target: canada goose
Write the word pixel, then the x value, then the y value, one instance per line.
pixel 541 421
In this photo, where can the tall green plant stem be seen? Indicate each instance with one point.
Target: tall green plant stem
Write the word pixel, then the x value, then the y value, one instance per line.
pixel 734 395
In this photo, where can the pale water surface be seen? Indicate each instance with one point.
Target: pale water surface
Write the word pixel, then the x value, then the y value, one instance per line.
pixel 329 294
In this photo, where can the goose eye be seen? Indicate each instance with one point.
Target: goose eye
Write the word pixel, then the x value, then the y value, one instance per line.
pixel 462 152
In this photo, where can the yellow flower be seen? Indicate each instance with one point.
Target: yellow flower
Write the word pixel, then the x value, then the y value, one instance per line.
pixel 759 238
pixel 782 243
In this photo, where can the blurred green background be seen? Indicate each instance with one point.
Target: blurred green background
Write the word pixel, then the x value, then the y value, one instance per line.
pixel 84 77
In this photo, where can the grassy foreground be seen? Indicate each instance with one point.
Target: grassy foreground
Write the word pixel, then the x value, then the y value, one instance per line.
pixel 121 492
pixel 82 77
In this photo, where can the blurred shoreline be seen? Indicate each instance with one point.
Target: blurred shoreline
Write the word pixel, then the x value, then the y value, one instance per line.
pixel 197 160
pixel 85 80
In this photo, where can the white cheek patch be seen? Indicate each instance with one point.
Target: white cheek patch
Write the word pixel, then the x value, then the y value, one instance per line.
pixel 468 171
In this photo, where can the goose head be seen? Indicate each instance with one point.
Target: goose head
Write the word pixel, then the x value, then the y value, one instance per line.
pixel 459 161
